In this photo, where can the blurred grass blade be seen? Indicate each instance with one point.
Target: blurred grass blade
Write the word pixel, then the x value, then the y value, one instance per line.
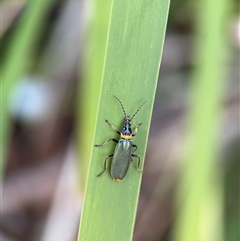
pixel 200 192
pixel 19 50
pixel 134 48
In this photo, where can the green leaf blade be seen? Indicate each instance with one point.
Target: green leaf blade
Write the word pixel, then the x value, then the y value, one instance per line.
pixel 132 60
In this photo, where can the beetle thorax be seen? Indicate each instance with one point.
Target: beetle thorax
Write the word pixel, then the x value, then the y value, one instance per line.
pixel 126 130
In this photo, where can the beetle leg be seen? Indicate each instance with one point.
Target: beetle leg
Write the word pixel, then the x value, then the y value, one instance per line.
pixel 106 142
pixel 138 165
pixel 136 147
pixel 112 126
pixel 105 165
pixel 136 129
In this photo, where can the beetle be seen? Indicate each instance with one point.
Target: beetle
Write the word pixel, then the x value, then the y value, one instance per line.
pixel 124 150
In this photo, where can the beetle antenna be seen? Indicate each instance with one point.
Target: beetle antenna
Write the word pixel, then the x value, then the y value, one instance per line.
pixel 124 112
pixel 139 109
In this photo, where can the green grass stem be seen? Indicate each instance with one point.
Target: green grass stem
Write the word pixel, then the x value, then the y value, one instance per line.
pixel 134 47
pixel 200 193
